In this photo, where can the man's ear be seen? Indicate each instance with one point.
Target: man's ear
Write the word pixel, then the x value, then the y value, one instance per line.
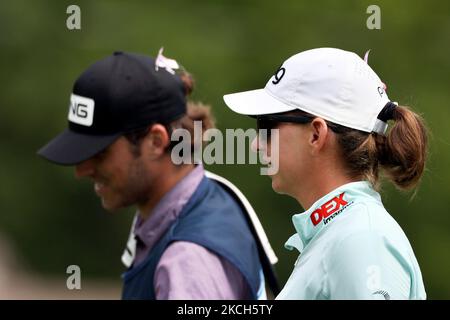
pixel 319 135
pixel 156 141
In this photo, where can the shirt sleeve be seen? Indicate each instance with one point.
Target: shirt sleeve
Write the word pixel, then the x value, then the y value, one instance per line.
pixel 189 271
pixel 364 266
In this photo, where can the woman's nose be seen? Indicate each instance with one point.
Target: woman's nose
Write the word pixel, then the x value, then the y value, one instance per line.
pixel 258 144
pixel 254 144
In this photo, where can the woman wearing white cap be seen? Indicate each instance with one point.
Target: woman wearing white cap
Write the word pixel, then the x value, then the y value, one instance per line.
pixel 332 110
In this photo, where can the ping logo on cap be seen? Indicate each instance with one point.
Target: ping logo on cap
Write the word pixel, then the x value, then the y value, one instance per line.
pixel 81 110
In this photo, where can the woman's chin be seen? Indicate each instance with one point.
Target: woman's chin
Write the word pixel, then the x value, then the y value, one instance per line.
pixel 276 186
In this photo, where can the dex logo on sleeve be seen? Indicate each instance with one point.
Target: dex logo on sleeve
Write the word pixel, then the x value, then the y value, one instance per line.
pixel 81 110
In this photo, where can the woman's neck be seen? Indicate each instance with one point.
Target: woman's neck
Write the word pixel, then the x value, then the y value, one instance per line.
pixel 319 186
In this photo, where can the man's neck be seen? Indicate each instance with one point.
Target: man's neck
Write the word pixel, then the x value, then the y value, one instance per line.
pixel 163 185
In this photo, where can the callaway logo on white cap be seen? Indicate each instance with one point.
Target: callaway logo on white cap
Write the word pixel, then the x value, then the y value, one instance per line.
pixel 81 110
pixel 330 83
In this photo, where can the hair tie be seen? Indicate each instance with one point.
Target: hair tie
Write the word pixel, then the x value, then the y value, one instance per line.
pixel 387 113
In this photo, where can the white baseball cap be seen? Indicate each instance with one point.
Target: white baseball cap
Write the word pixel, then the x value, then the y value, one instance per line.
pixel 330 83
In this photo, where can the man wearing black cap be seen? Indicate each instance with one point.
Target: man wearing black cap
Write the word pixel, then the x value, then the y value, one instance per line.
pixel 190 238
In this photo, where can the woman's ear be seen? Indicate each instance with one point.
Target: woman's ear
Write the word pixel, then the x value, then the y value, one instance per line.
pixel 319 134
pixel 156 141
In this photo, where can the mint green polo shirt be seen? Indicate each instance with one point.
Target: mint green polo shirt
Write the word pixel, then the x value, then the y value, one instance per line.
pixel 351 248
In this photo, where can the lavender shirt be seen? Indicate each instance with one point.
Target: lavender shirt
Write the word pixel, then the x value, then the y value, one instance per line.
pixel 186 270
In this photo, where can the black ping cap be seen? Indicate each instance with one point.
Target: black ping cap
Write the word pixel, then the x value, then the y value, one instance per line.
pixel 118 94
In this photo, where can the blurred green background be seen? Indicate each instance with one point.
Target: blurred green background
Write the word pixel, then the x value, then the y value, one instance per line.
pixel 53 221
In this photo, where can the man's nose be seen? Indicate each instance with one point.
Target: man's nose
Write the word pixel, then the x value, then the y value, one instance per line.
pixel 85 169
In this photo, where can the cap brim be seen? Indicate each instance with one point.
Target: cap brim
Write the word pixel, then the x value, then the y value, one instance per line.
pixel 255 102
pixel 70 148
